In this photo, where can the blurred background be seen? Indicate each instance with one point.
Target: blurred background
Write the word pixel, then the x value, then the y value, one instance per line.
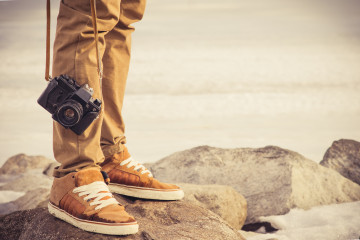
pixel 224 73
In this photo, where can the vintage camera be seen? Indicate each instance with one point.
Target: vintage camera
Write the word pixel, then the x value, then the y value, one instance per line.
pixel 71 105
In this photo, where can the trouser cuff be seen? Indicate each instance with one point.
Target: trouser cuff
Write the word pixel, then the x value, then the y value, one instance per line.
pixel 59 172
pixel 111 149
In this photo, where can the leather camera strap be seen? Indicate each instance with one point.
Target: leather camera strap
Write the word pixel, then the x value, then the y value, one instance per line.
pixel 47 64
pixel 96 38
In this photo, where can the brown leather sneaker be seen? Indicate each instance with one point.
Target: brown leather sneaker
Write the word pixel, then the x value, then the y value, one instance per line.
pixel 127 177
pixel 83 200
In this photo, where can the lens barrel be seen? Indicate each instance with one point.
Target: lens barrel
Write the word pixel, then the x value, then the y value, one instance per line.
pixel 69 113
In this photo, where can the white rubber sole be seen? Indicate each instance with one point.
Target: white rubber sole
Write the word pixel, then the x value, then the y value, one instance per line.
pixel 92 226
pixel 147 193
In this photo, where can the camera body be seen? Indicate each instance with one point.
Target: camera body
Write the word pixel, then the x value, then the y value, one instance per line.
pixel 71 105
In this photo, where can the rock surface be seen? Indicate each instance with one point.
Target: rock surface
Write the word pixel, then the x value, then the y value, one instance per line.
pixel 225 201
pixel 30 200
pixel 344 157
pixel 158 220
pixel 247 235
pixel 273 180
pixel 222 200
pixel 48 171
pixel 28 181
pixel 22 173
pixel 21 163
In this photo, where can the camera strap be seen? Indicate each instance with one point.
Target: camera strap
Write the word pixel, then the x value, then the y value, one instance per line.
pixel 47 64
pixel 96 39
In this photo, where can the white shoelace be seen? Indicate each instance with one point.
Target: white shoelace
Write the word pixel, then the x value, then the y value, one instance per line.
pixel 97 190
pixel 131 162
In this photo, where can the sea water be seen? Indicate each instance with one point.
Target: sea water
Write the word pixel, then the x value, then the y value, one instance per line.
pixel 226 74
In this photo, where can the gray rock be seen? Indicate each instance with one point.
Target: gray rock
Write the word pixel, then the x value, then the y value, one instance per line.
pixel 21 163
pixel 160 220
pixel 344 157
pixel 225 201
pixel 254 235
pixel 29 201
pixel 48 170
pixel 247 234
pixel 35 185
pixel 28 181
pixel 222 200
pixel 273 180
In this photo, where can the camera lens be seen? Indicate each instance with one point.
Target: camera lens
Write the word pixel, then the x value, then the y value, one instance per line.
pixel 69 113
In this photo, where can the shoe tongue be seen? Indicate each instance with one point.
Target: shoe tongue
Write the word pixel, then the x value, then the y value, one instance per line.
pixel 126 153
pixel 88 176
pixel 121 156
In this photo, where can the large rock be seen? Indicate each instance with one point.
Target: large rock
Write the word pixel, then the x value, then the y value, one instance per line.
pixel 222 200
pixel 49 170
pixel 273 180
pixel 21 163
pixel 158 220
pixel 344 157
pixel 30 200
pixel 225 201
pixel 28 181
pixel 33 183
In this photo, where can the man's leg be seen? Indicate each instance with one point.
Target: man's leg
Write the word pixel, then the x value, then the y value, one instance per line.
pixel 116 65
pixel 75 55
pixel 79 194
pixel 126 175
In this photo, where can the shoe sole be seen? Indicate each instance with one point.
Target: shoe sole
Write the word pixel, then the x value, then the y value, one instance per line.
pixel 91 226
pixel 147 193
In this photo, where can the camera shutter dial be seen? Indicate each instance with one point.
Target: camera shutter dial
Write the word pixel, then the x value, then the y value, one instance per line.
pixel 69 113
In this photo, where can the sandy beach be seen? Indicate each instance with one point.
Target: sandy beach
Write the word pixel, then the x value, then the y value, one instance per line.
pixel 229 74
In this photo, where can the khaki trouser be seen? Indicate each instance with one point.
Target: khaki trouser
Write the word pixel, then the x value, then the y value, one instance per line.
pixel 75 55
